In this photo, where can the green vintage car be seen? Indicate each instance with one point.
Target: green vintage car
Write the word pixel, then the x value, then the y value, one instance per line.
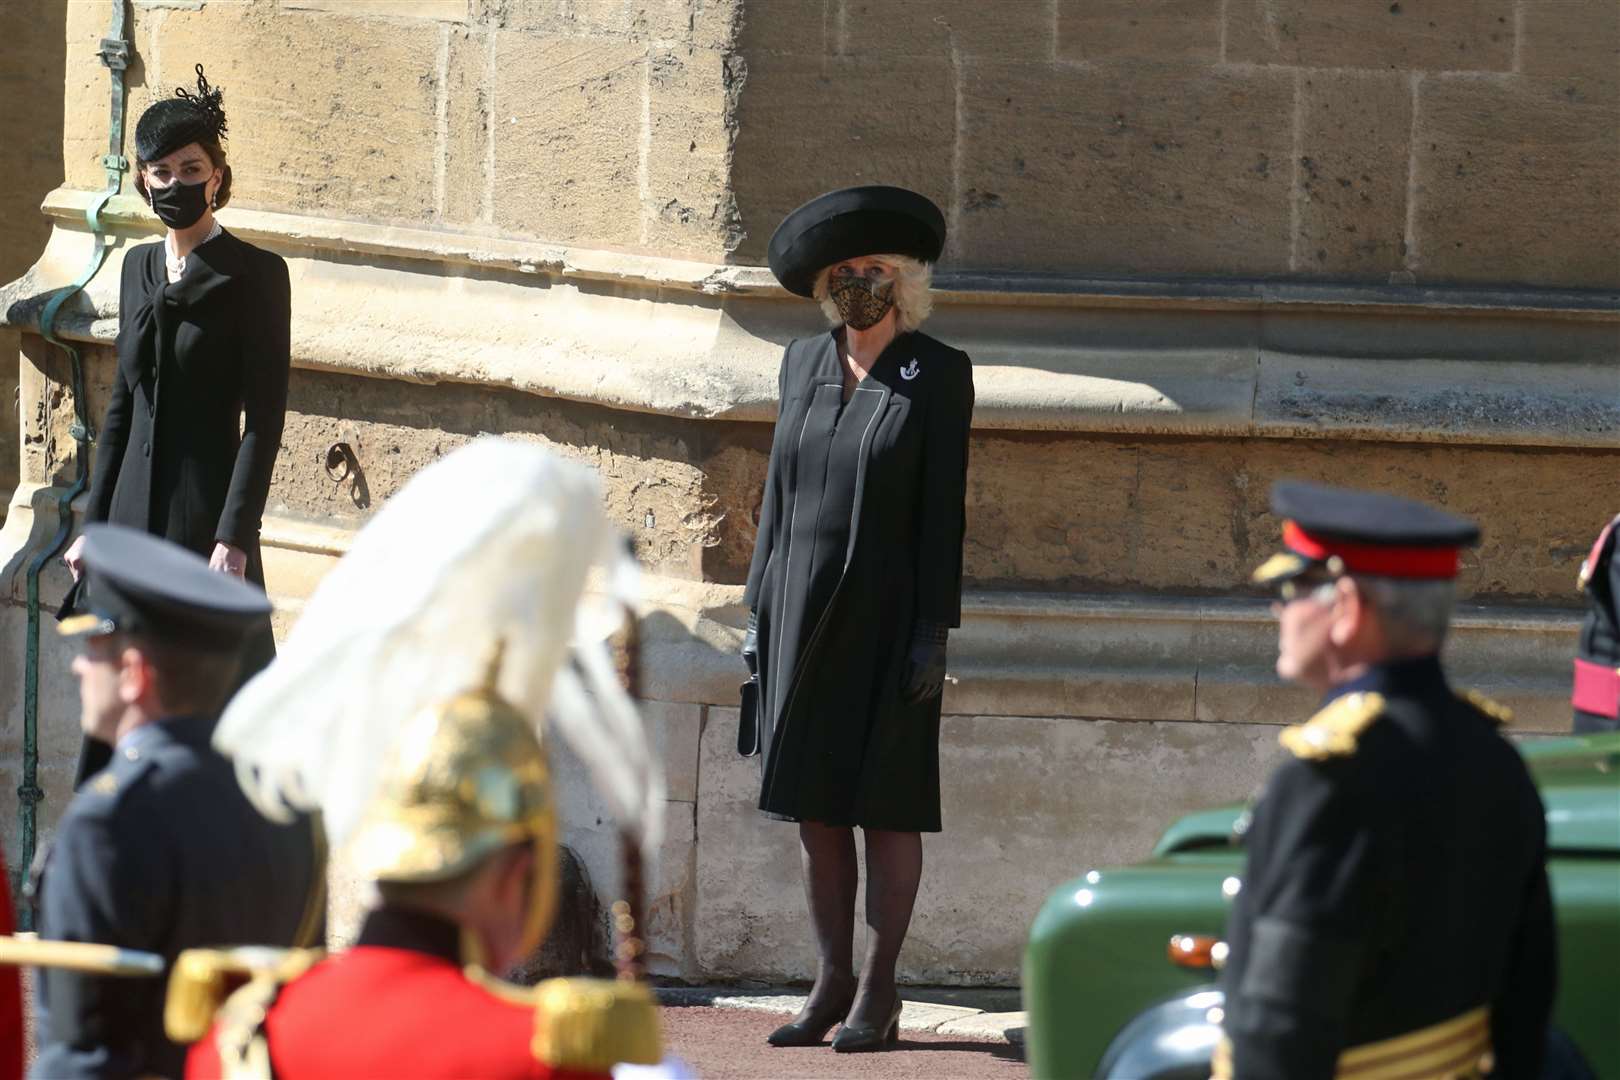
pixel 1118 976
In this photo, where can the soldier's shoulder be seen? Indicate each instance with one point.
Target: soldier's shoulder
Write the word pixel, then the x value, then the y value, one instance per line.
pixel 1338 730
pixel 200 998
pixel 590 1025
pixel 109 795
pixel 1494 711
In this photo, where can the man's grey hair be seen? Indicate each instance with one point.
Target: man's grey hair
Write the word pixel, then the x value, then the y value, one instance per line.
pixel 1415 615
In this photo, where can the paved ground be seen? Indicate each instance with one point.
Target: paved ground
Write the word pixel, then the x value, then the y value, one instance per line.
pixel 944 1034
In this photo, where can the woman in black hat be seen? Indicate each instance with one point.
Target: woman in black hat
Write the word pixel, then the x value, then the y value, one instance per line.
pixel 855 583
pixel 190 437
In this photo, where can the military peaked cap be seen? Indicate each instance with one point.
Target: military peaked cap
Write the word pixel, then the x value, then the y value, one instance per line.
pixel 851 222
pixel 1347 531
pixel 140 584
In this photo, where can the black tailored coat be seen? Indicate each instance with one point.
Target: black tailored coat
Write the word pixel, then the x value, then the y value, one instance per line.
pixel 160 851
pixel 860 534
pixel 1393 889
pixel 174 456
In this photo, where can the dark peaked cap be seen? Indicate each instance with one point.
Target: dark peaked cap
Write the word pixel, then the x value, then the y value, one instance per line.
pixel 1365 532
pixel 851 222
pixel 141 584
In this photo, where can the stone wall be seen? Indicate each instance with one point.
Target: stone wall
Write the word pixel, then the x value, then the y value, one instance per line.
pixel 603 122
pixel 1197 245
pixel 1431 140
pixel 32 43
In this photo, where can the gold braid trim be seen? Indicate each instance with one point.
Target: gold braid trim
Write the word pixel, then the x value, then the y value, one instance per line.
pixel 1501 714
pixel 244 1049
pixel 1334 731
pixel 593 1024
pixel 1455 1049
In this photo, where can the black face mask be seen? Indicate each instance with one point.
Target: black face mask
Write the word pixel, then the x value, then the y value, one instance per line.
pixel 860 303
pixel 179 205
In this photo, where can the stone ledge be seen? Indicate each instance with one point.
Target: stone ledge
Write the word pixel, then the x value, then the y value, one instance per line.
pixel 283 231
pixel 698 341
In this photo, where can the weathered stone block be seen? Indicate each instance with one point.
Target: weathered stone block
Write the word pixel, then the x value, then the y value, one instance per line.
pixel 568 121
pixel 1426 35
pixel 1190 515
pixel 1161 30
pixel 345 127
pixel 806 125
pixel 440 10
pixel 1517 181
pixel 1355 129
pixel 750 916
pixel 688 209
pixel 963 29
pixel 652 487
pixel 801 27
pixel 1126 168
pixel 1030 802
pixel 34 36
pixel 87 89
pixel 468 128
pixel 673 728
pixel 1572 39
pixel 704 24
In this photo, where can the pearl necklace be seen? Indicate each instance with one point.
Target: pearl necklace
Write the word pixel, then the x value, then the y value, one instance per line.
pixel 177 266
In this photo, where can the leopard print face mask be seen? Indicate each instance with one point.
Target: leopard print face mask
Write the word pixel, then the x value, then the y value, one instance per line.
pixel 861 303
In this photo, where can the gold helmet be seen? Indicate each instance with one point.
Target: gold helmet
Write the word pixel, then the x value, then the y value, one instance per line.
pixel 466 779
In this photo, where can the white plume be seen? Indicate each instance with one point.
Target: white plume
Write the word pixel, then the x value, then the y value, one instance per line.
pixel 496 540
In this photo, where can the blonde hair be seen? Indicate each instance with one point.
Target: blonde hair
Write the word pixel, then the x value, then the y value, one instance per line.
pixel 912 301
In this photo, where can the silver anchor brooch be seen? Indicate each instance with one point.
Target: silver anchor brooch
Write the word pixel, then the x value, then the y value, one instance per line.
pixel 909 372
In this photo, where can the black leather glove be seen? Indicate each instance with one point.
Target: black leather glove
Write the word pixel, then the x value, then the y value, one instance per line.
pixel 925 662
pixel 750 648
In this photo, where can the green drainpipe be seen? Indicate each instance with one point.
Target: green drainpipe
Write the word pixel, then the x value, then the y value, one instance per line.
pixel 115 56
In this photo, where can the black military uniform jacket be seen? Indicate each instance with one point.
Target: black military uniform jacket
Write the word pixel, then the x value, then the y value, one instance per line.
pixel 160 851
pixel 860 534
pixel 1396 880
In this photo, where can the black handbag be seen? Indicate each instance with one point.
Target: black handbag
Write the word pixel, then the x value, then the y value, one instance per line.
pixel 748 719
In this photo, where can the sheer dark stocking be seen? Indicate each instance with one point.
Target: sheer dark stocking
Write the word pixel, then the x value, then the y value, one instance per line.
pixel 893 869
pixel 830 877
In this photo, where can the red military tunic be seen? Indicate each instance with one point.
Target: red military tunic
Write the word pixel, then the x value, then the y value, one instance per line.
pixel 397 1004
pixel 11 1021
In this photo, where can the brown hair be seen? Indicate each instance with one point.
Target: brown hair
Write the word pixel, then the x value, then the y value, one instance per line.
pixel 216 154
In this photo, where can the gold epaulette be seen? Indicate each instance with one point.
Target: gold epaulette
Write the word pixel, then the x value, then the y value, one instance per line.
pixel 594 1024
pixel 1501 714
pixel 1333 732
pixel 203 978
pixel 244 1050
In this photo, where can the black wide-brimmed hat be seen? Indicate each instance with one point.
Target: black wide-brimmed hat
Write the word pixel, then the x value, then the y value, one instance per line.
pixel 186 118
pixel 851 222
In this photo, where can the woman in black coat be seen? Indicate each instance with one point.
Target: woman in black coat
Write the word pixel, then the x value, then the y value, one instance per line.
pixel 189 441
pixel 855 582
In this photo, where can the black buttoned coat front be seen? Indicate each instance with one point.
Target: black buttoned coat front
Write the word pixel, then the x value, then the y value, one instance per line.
pixel 174 456
pixel 860 535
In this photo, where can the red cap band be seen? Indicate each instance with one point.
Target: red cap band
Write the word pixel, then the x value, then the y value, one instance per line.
pixel 1379 560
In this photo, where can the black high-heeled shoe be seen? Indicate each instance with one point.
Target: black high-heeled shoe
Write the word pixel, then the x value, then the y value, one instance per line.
pixel 810 1031
pixel 859 1039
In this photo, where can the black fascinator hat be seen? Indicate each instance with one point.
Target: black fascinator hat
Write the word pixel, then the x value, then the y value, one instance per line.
pixel 871 220
pixel 174 122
